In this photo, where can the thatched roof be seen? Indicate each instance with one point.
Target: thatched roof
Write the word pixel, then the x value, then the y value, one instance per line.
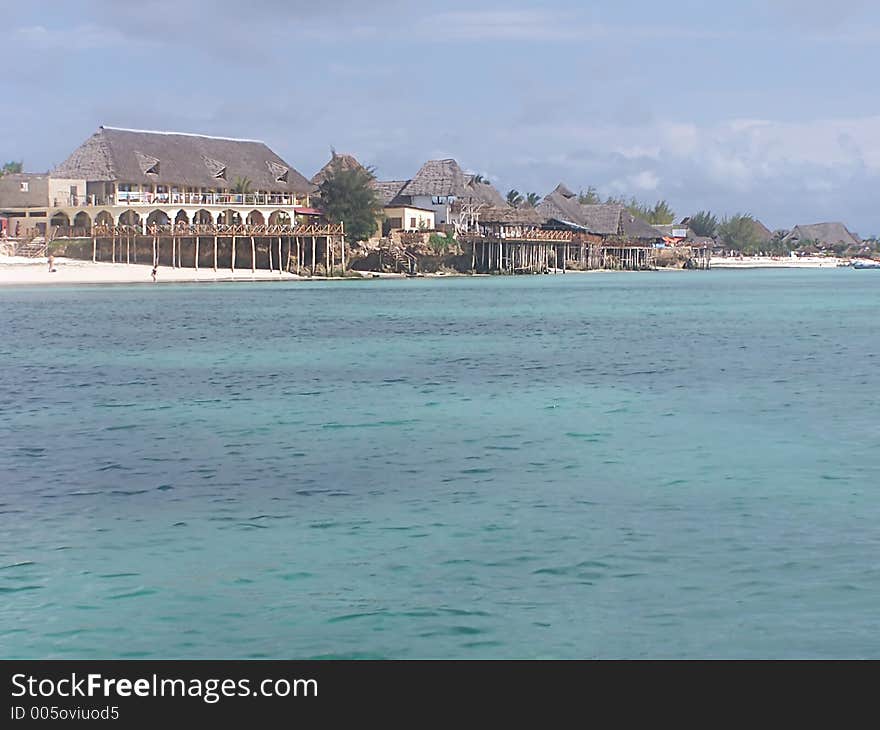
pixel 438 177
pixel 485 192
pixel 389 191
pixel 345 162
pixel 604 219
pixel 824 234
pixel 763 233
pixel 507 215
pixel 635 229
pixel 175 158
pixel 562 205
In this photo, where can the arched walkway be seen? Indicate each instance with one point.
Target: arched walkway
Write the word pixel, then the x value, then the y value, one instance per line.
pixel 82 220
pixel 181 217
pixel 158 218
pixel 129 218
pixel 203 217
pixel 104 218
pixel 60 220
pixel 255 218
pixel 279 218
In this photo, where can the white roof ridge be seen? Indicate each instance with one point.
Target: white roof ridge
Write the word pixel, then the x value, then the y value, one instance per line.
pixel 181 134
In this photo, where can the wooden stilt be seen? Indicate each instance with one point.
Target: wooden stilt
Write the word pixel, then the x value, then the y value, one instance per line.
pixel 197 253
pixel 313 255
pixel 232 262
pixel 253 256
pixel 215 252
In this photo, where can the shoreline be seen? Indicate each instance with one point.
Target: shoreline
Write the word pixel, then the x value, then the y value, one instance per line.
pixel 17 271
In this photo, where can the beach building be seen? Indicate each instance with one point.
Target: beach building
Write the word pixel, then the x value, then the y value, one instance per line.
pixel 399 213
pixel 453 195
pixel 138 178
pixel 824 236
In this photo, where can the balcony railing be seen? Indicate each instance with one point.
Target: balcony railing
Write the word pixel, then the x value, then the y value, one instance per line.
pixel 138 198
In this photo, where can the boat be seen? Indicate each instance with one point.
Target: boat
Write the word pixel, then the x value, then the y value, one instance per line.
pixel 866 264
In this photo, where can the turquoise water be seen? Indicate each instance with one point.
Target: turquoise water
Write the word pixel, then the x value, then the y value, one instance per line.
pixel 611 465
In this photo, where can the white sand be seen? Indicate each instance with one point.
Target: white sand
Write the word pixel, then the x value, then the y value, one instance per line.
pixel 774 262
pixel 16 270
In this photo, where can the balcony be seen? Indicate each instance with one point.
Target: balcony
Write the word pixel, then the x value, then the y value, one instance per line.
pixel 137 198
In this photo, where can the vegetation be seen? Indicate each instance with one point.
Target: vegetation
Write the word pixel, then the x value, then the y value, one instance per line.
pixel 658 214
pixel 241 186
pixel 442 243
pixel 10 168
pixel 704 223
pixel 532 200
pixel 348 197
pixel 590 196
pixel 514 198
pixel 738 233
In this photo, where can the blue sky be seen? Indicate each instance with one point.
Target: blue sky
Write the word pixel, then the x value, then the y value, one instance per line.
pixel 767 106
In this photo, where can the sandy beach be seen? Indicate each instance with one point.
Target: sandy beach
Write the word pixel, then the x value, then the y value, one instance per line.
pixel 28 271
pixel 774 262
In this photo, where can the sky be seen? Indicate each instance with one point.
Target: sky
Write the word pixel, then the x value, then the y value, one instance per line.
pixel 767 107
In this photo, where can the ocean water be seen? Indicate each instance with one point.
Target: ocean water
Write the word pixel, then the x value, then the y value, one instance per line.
pixel 604 465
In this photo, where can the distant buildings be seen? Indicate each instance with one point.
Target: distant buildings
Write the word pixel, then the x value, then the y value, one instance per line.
pixel 822 236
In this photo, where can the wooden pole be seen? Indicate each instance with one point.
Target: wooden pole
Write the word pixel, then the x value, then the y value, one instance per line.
pixel 215 252
pixel 279 255
pixel 197 252
pixel 232 264
pixel 253 256
pixel 94 246
pixel 313 255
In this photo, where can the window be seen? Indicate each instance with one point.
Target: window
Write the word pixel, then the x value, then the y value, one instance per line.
pixel 412 223
pixel 23 186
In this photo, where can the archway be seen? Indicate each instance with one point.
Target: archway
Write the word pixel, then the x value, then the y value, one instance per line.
pixel 158 218
pixel 279 218
pixel 104 218
pixel 129 218
pixel 255 218
pixel 82 220
pixel 181 218
pixel 60 220
pixel 203 217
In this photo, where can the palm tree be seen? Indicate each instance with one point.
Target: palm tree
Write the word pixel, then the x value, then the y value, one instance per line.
pixel 514 198
pixel 11 168
pixel 242 185
pixel 532 200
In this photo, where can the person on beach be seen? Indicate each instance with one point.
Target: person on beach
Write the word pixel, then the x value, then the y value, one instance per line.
pixel 51 260
pixel 155 273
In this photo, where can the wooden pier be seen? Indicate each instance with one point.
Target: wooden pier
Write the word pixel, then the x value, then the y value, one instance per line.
pixel 297 249
pixel 541 251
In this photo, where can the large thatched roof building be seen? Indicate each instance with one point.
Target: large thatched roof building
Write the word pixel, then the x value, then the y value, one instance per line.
pixel 147 158
pixel 823 235
pixel 561 207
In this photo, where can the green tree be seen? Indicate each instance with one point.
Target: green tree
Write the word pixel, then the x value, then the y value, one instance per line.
pixel 514 198
pixel 738 233
pixel 532 200
pixel 661 214
pixel 658 214
pixel 704 223
pixel 348 197
pixel 590 196
pixel 480 179
pixel 241 186
pixel 10 168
